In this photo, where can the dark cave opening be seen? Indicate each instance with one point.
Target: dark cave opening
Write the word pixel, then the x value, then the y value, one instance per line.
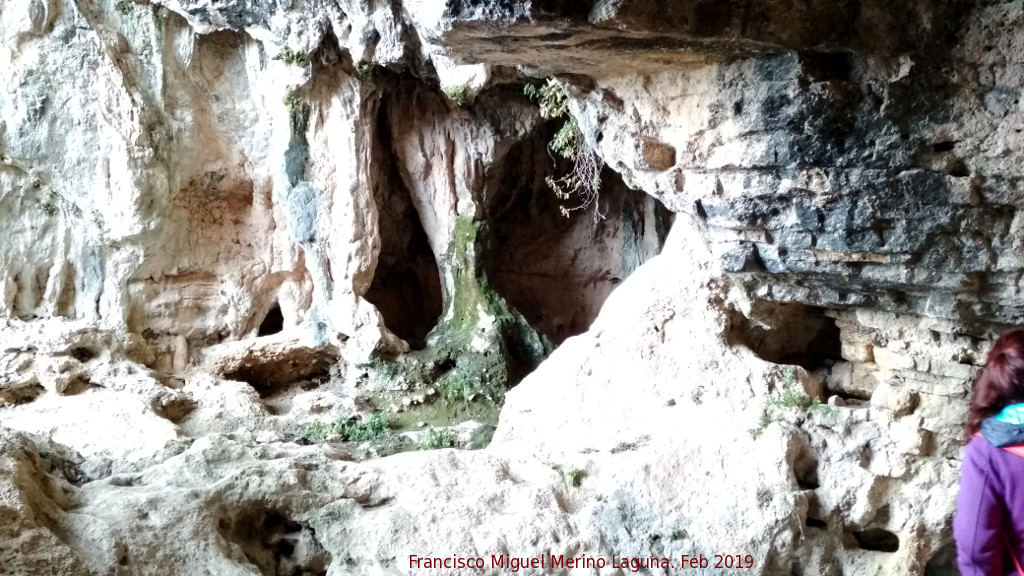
pixel 878 540
pixel 406 287
pixel 273 322
pixel 788 333
pixel 558 271
pixel 272 542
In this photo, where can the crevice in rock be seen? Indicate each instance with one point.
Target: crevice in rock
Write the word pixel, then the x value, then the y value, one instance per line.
pixel 787 333
pixel 406 287
pixel 558 271
pixel 805 469
pixel 82 354
pixel 273 322
pixel 878 540
pixel 273 542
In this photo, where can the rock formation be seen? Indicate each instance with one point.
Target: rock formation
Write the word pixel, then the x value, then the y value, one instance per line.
pixel 237 232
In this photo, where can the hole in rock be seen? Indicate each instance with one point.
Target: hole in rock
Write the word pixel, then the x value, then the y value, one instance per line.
pixel 406 287
pixel 943 563
pixel 787 333
pixel 82 354
pixel 943 146
pixel 275 544
pixel 959 169
pixel 22 394
pixel 558 271
pixel 273 323
pixel 272 366
pixel 816 523
pixel 878 540
pixel 805 469
pixel 826 66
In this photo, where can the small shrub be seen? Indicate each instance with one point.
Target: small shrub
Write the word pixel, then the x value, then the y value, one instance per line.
pixel 457 94
pixel 365 67
pixel 456 387
pixel 372 427
pixel 316 431
pixel 124 7
pixel 791 397
pixel 575 477
pixel 434 439
pixel 293 57
pixel 584 180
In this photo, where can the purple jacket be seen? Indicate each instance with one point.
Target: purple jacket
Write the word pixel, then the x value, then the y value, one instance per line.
pixel 989 519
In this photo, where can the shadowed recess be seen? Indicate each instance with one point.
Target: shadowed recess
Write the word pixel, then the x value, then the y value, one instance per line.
pixel 406 286
pixel 558 271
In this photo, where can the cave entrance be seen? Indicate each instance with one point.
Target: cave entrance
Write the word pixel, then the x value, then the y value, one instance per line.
pixel 788 333
pixel 558 271
pixel 406 286
pixel 273 322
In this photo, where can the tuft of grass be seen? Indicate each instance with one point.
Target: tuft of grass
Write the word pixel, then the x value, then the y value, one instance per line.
pixel 371 428
pixel 575 477
pixel 457 94
pixel 434 439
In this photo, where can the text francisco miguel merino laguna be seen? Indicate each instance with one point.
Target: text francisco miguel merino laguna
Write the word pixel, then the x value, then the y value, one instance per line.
pixel 515 563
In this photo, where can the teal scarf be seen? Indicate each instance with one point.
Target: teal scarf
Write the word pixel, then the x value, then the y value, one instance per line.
pixel 1012 414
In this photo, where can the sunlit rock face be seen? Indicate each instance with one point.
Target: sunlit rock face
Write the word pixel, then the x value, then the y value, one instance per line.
pixel 224 220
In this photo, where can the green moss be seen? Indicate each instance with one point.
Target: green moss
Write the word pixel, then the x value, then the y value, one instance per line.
pixel 479 349
pixel 297 153
pixel 438 412
pixel 298 107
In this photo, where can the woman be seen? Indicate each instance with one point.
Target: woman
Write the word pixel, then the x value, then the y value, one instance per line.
pixel 989 522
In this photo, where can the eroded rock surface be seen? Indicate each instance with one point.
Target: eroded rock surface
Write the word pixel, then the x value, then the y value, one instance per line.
pixel 234 230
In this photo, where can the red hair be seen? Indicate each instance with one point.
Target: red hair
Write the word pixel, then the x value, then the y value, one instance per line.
pixel 1000 383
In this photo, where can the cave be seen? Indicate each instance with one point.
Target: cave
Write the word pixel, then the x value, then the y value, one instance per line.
pixel 787 333
pixel 557 271
pixel 406 287
pixel 273 322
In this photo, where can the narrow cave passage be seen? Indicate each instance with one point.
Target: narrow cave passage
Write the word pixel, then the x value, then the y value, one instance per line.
pixel 406 286
pixel 558 271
